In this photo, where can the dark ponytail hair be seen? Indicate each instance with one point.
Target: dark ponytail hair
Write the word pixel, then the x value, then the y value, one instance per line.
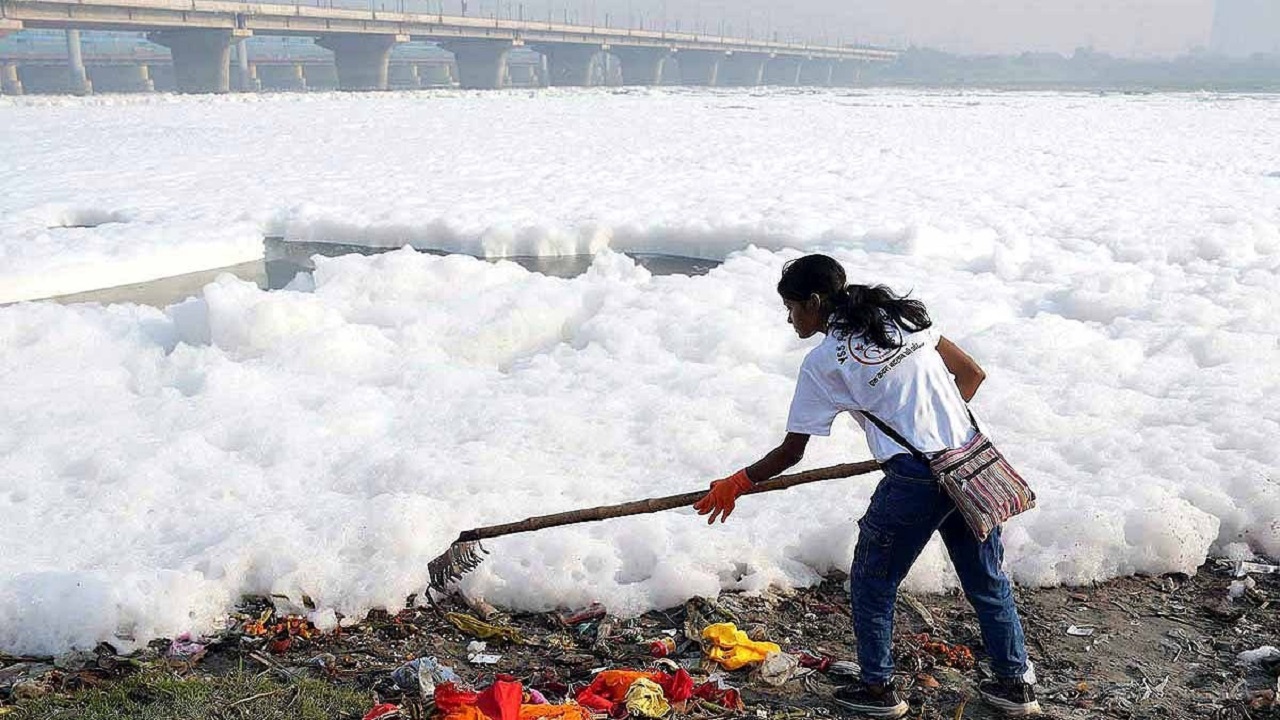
pixel 870 311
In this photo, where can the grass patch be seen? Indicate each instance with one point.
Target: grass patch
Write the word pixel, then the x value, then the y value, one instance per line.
pixel 164 696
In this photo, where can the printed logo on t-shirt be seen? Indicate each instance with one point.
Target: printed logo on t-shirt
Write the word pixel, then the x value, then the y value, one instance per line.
pixel 865 352
pixel 899 354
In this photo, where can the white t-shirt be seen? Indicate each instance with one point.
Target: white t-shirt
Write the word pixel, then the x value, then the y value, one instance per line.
pixel 907 388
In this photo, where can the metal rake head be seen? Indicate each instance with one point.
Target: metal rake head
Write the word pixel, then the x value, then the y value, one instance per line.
pixel 461 558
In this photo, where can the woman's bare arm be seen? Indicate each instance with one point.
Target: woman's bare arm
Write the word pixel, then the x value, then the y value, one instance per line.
pixel 967 372
pixel 790 452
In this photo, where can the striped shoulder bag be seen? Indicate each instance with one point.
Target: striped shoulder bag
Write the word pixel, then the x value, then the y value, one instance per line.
pixel 984 486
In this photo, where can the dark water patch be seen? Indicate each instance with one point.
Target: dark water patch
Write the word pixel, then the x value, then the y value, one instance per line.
pixel 285 259
pixel 167 291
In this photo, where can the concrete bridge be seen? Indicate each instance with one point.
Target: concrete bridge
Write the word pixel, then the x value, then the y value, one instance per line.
pixel 201 33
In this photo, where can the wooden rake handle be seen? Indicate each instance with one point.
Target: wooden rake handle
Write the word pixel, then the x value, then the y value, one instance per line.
pixel 670 502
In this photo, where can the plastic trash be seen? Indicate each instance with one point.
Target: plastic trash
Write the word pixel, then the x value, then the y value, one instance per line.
pixel 1244 567
pixel 185 648
pixel 846 668
pixel 476 654
pixel 1080 630
pixel 732 649
pixel 422 675
pixel 1239 587
pixel 1265 655
pixel 779 668
pixel 536 698
pixel 662 647
pixel 815 662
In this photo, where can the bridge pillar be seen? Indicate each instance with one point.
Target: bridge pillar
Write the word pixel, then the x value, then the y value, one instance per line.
pixel 361 59
pixel 846 73
pixel 78 80
pixel 246 79
pixel 700 67
pixel 570 65
pixel 482 64
pixel 743 69
pixel 642 66
pixel 783 71
pixel 201 58
pixel 816 72
pixel 10 84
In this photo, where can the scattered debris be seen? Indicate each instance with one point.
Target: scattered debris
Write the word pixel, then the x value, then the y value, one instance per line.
pixel 1164 653
pixel 732 648
pixel 484 631
pixel 1244 567
pixel 959 657
pixel 421 676
pixel 1266 655
pixel 476 654
pixel 926 617
pixel 779 668
pixel 645 698
pixel 382 711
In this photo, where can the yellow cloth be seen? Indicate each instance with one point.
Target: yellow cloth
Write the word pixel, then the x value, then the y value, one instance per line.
pixel 646 699
pixel 483 630
pixel 732 649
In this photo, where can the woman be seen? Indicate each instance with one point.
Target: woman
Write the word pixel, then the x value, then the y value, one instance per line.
pixel 881 358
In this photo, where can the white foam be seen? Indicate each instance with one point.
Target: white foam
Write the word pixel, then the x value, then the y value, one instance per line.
pixel 331 439
pixel 193 183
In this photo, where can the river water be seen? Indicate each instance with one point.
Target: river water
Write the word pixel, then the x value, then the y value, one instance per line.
pixel 283 260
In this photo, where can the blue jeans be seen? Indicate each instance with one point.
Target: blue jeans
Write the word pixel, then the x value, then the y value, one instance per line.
pixel 906 509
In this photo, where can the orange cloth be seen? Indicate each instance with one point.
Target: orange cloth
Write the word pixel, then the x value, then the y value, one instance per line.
pixel 501 701
pixel 554 712
pixel 609 688
pixel 724 493
pixel 466 712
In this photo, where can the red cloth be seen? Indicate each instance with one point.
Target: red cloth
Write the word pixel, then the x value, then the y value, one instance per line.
pixel 450 698
pixel 678 687
pixel 724 697
pixel 501 700
pixel 385 710
pixel 608 691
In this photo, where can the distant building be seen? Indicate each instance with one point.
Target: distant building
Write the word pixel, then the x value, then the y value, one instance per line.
pixel 1245 27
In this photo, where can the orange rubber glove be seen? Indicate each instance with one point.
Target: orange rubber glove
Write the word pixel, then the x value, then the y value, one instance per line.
pixel 719 502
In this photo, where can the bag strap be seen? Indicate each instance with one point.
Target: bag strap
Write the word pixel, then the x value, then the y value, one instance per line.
pixel 894 436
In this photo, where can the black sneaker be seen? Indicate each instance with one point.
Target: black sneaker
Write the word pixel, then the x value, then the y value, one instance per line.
pixel 1013 697
pixel 877 701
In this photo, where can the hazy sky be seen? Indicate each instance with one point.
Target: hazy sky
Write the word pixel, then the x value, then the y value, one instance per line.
pixel 1120 27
